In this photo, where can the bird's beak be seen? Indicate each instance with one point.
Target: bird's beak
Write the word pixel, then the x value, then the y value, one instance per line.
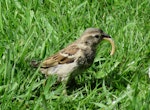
pixel 108 38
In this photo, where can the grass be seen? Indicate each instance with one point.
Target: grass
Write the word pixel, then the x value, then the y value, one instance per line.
pixel 35 29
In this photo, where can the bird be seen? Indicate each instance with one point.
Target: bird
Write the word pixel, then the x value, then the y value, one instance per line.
pixel 76 57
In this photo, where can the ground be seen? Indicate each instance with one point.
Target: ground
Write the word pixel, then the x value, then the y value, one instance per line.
pixel 36 29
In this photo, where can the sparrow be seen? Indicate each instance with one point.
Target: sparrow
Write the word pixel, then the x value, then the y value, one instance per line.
pixel 76 57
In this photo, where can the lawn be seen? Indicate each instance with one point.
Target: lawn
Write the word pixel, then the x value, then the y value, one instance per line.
pixel 35 29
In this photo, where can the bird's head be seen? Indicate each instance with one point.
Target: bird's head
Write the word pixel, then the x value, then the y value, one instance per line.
pixel 93 36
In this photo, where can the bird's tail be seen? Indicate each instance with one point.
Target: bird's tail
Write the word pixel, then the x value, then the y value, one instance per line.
pixel 35 64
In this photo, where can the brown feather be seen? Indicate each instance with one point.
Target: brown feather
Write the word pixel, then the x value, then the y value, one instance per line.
pixel 60 59
pixel 66 60
pixel 71 50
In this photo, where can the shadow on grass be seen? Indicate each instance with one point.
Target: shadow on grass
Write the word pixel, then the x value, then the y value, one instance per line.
pixel 118 79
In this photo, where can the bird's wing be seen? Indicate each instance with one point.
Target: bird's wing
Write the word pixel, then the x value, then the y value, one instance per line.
pixel 62 57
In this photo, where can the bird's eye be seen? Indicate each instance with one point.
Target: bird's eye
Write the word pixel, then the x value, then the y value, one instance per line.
pixel 97 36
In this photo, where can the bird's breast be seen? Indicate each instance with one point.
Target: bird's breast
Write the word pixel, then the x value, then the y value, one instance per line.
pixel 87 57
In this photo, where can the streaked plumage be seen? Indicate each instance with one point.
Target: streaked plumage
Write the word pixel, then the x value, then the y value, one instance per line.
pixel 76 57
